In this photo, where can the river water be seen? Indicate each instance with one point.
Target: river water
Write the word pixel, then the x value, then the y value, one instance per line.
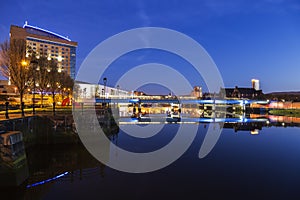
pixel 246 163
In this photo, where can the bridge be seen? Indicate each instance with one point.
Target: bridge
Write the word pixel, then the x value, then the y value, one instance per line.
pixel 146 100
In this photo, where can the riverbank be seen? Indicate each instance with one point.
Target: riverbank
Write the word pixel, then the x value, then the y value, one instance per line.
pixel 286 112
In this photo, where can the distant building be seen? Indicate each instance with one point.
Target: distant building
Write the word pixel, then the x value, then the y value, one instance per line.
pixel 48 44
pixel 87 90
pixel 255 84
pixel 197 92
pixel 6 88
pixel 242 93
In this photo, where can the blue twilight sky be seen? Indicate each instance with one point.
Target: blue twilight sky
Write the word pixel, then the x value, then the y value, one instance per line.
pixel 245 38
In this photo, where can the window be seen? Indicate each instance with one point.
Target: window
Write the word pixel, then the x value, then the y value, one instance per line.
pixel 41 45
pixel 63 49
pixel 34 44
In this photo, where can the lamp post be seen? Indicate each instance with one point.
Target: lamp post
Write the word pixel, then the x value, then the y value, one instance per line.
pixel 104 81
pixel 118 89
pixel 24 63
pixel 33 62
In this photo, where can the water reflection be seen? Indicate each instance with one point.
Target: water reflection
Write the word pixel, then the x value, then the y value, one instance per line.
pixel 50 170
pixel 13 161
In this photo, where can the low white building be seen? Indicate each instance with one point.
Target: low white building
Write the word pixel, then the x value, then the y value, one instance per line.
pixel 89 91
pixel 6 88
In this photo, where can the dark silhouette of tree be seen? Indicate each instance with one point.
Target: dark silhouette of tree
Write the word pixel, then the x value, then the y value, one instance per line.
pixel 42 77
pixel 15 66
pixel 54 81
pixel 4 58
pixel 66 83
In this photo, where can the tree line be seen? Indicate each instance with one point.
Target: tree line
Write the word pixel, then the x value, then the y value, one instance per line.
pixel 26 70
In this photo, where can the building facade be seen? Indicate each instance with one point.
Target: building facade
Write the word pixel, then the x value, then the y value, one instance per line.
pixel 90 91
pixel 48 44
pixel 255 84
pixel 6 88
pixel 197 92
pixel 243 93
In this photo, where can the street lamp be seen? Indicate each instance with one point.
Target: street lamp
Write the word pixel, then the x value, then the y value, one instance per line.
pixel 118 89
pixel 104 81
pixel 24 64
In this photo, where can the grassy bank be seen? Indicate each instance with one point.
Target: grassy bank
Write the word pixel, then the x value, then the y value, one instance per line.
pixel 286 112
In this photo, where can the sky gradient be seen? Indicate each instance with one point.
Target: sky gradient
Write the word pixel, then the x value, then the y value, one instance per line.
pixel 246 39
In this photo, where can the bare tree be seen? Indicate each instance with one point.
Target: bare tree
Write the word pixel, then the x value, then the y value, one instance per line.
pixel 15 65
pixel 66 83
pixel 42 78
pixel 4 58
pixel 54 81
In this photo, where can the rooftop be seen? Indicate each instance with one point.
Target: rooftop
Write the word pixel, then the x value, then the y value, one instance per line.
pixel 43 32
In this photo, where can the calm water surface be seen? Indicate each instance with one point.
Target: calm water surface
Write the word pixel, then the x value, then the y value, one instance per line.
pixel 241 166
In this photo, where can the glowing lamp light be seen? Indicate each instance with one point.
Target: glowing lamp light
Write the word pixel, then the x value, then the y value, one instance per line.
pixel 255 132
pixel 59 58
pixel 24 63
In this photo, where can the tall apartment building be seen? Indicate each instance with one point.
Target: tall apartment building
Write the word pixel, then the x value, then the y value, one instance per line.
pixel 48 44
